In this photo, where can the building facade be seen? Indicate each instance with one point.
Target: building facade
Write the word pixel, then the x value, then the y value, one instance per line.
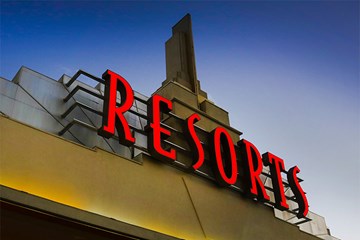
pixel 61 179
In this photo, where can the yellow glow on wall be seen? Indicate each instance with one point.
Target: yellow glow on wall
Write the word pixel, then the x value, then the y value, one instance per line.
pixel 152 195
pixel 48 190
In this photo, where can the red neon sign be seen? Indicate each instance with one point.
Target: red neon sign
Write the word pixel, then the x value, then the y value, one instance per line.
pixel 298 192
pixel 276 166
pixel 253 168
pixel 113 115
pixel 198 154
pixel 156 134
pixel 224 155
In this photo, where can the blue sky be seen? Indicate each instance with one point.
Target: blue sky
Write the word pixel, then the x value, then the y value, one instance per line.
pixel 287 72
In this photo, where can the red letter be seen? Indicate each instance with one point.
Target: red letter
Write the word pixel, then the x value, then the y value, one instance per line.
pixel 227 165
pixel 298 192
pixel 253 168
pixel 156 105
pixel 114 116
pixel 194 142
pixel 276 165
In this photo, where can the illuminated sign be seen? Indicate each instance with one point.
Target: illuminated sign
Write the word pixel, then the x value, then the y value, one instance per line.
pixel 224 155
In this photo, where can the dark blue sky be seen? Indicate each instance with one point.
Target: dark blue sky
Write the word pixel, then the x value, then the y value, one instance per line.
pixel 287 72
pixel 118 34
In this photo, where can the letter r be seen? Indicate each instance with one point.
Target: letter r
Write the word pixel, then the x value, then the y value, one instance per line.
pixel 113 115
